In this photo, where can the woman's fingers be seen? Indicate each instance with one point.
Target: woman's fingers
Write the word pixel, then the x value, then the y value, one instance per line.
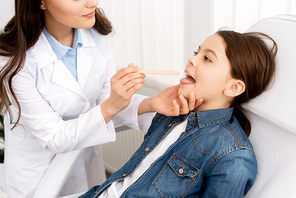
pixel 190 104
pixel 124 84
pixel 134 85
pixel 192 101
pixel 129 84
pixel 126 79
pixel 131 69
pixel 198 102
pixel 185 106
pixel 132 79
pixel 176 108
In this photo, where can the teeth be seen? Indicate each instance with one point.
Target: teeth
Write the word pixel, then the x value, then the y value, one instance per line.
pixel 188 74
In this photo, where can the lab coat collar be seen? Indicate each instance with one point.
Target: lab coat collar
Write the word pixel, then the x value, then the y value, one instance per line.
pixel 44 53
pixel 84 62
pixel 45 56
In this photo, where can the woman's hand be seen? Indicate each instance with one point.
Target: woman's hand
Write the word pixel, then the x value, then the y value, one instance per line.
pixel 169 103
pixel 124 85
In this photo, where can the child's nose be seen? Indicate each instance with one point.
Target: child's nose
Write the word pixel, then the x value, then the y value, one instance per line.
pixel 191 62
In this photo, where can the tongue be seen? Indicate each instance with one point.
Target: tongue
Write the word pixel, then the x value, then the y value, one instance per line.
pixel 187 81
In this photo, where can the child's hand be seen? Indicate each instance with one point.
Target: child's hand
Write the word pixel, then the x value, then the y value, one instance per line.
pixel 169 103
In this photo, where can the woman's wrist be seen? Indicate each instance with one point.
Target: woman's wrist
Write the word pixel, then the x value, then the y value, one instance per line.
pixel 145 106
pixel 108 110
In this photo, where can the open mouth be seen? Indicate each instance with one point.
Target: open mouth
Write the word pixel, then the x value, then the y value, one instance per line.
pixel 188 79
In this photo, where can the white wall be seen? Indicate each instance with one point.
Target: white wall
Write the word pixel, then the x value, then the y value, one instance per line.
pixel 6 12
pixel 162 34
pixel 148 33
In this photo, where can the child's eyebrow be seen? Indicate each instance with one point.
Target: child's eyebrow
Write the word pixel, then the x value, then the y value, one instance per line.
pixel 208 50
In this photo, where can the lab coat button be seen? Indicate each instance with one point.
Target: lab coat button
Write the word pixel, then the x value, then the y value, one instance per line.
pixel 147 149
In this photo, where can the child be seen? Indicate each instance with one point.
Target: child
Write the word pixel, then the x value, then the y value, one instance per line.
pixel 205 153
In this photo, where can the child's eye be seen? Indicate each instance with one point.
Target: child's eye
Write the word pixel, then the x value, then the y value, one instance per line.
pixel 207 59
pixel 195 53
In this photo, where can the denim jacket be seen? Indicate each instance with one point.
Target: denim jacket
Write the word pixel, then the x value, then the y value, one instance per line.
pixel 213 157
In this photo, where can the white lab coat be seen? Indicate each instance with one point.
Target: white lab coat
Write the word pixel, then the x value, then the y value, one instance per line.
pixel 60 114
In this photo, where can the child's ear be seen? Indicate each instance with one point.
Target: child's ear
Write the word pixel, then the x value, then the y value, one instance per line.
pixel 234 88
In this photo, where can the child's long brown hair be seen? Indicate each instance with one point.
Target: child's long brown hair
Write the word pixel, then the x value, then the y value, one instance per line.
pixel 253 62
pixel 20 34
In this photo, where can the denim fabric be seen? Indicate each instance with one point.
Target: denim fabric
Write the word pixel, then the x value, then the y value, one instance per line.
pixel 212 158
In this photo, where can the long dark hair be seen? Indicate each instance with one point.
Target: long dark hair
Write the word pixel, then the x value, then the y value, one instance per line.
pixel 20 34
pixel 253 62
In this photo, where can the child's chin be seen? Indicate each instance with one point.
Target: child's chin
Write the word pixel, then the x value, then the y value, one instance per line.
pixel 184 93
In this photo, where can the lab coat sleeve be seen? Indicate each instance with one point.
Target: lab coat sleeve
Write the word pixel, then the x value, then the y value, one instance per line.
pixel 54 133
pixel 129 116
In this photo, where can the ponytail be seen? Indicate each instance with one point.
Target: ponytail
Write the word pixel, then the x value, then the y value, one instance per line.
pixel 240 114
pixel 252 62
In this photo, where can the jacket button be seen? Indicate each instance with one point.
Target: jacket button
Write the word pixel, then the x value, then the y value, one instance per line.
pixel 170 125
pixel 124 175
pixel 181 170
pixel 147 149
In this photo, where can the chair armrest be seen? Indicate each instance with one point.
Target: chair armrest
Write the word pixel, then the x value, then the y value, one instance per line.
pixel 120 127
pixel 57 173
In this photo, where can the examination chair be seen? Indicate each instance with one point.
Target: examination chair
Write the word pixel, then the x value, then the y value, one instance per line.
pixel 273 119
pixel 273 116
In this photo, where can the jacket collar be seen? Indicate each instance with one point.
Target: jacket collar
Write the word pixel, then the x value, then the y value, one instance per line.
pixel 210 117
pixel 202 118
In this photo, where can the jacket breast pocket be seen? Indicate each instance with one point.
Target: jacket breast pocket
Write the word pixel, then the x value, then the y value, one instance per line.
pixel 176 177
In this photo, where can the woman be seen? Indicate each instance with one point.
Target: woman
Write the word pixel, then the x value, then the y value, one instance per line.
pixel 56 68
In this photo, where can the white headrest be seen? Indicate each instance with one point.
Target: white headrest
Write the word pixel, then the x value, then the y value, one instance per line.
pixel 278 104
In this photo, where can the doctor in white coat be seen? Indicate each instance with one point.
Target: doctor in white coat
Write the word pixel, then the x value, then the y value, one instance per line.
pixel 58 71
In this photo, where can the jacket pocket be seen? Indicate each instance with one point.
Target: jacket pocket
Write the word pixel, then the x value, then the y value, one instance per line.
pixel 175 178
